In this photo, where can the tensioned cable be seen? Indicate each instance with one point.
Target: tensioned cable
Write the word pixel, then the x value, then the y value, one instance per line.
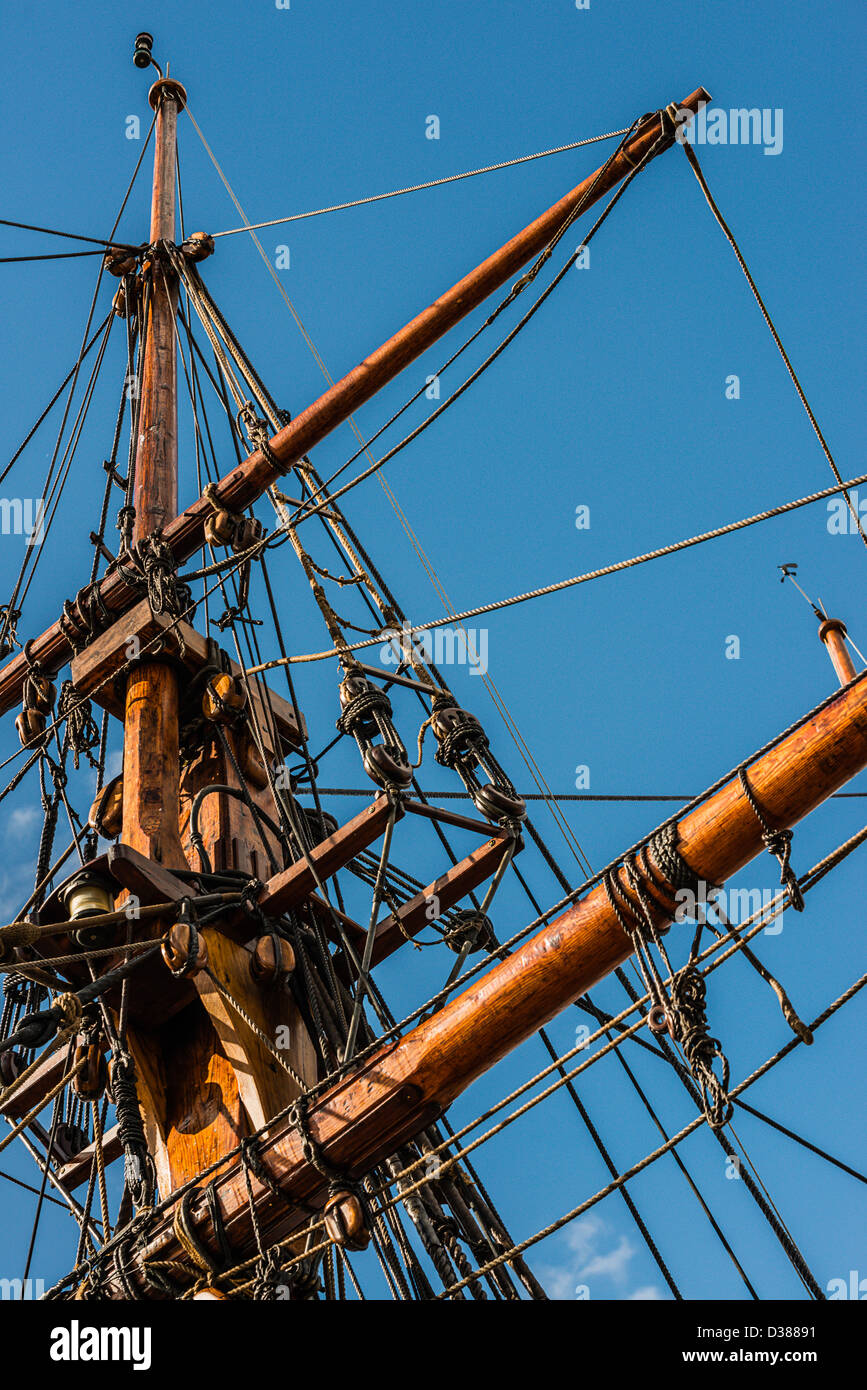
pixel 82 350
pixel 590 574
pixel 450 1159
pixel 799 1139
pixel 523 749
pixel 59 483
pixel 417 187
pixel 73 236
pixel 35 1190
pixel 55 398
pixel 714 953
pixel 729 235
pixel 657 1153
pixel 376 464
pixel 50 256
pixel 270 541
pixel 96 241
pixel 56 484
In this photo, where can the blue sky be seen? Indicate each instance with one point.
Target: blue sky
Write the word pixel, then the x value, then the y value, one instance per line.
pixel 613 398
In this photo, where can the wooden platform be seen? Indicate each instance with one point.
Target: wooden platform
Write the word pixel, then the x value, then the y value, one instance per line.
pixel 93 669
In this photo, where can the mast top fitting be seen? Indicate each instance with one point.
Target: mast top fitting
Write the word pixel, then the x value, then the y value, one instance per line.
pixel 167 86
pixel 142 56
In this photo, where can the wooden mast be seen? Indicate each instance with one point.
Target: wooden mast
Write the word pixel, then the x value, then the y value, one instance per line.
pixel 176 1066
pixel 833 633
pixel 204 1080
pixel 151 762
pixel 200 1074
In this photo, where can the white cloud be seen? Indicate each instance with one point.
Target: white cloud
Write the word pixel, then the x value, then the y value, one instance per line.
pixel 613 1265
pixel 15 885
pixel 592 1257
pixel 22 819
pixel 650 1293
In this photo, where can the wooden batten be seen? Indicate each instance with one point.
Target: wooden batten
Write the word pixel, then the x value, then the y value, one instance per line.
pixel 38 1084
pixel 412 917
pixel 289 888
pixel 92 669
pixel 77 1170
pixel 448 890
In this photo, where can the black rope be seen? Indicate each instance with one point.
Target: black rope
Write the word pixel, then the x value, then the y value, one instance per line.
pixel 73 236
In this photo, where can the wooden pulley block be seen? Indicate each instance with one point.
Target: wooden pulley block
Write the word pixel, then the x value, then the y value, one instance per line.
pixel 69 1140
pixel 185 952
pixel 91 1081
pixel 224 699
pixel 448 718
pixel 197 247
pixel 251 763
pixel 272 959
pixel 220 527
pixel 344 1220
pixel 106 813
pixel 248 531
pixel 119 261
pixel 12 1064
pixel 118 303
pixel 40 693
pixel 29 726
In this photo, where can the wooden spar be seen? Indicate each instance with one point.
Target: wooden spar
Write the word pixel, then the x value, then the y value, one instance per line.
pixel 289 888
pixel 151 760
pixel 244 484
pixel 833 634
pixel 406 1084
pixel 193 1078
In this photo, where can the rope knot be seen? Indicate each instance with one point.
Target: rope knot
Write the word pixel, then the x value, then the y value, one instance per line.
pixel 69 1007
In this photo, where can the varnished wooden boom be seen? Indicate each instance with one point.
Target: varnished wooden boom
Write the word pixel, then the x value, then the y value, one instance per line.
pixel 241 487
pixel 405 1085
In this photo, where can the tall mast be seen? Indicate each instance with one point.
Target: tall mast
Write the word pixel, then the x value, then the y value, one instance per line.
pixel 151 763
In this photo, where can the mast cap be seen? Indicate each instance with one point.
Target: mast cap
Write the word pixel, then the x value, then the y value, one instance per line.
pixel 167 86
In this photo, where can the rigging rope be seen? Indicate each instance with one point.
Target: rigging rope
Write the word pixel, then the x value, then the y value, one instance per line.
pixel 676 1139
pixel 418 187
pixel 600 573
pixel 73 236
pixel 729 235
